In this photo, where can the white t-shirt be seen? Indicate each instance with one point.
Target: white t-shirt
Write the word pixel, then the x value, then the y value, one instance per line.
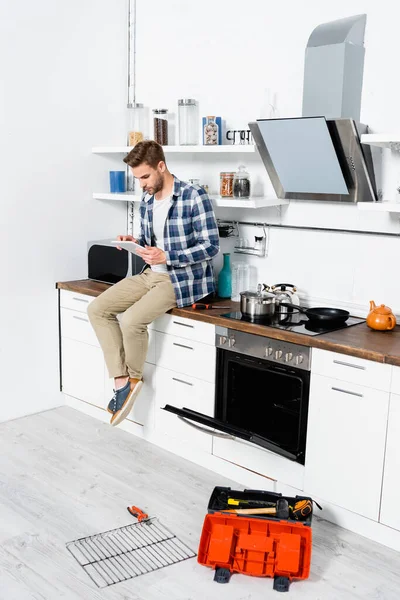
pixel 160 212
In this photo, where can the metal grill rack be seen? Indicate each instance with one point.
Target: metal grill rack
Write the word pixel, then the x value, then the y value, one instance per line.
pixel 127 552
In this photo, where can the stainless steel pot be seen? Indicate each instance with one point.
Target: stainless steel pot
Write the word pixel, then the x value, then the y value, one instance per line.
pixel 257 304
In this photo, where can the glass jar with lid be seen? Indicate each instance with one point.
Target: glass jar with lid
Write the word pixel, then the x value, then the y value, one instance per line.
pixel 226 184
pixel 188 123
pixel 161 125
pixel 241 183
pixel 137 123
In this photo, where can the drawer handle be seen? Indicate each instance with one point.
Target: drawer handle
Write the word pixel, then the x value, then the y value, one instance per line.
pixel 182 346
pixel 183 324
pixel 181 381
pixel 225 436
pixel 80 318
pixel 346 364
pixel 81 300
pixel 335 389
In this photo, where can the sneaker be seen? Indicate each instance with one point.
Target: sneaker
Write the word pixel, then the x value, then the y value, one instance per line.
pixel 125 397
pixel 116 399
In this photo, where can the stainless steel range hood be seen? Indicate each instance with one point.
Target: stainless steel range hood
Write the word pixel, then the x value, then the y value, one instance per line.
pixel 313 158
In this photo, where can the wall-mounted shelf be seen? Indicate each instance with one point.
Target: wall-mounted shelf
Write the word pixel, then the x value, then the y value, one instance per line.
pixel 384 140
pixel 226 149
pixel 393 207
pixel 255 202
pixel 125 197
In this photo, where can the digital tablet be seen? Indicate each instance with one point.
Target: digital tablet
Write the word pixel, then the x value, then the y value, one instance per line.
pixel 130 246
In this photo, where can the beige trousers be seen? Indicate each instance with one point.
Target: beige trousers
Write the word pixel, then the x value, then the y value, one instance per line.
pixel 124 342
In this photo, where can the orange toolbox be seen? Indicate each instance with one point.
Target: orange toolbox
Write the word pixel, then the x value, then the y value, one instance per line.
pixel 258 533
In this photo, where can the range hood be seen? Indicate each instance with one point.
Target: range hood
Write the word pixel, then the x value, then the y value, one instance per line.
pixel 314 158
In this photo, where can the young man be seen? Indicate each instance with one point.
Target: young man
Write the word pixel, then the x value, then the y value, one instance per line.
pixel 179 235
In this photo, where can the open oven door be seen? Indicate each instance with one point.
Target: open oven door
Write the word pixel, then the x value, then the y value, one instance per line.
pixel 217 427
pixel 221 429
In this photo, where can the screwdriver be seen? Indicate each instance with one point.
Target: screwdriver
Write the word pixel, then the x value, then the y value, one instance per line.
pixel 202 306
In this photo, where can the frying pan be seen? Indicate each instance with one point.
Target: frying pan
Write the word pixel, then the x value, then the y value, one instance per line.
pixel 322 315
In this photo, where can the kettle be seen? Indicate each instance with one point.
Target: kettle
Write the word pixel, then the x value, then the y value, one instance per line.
pixel 284 292
pixel 380 317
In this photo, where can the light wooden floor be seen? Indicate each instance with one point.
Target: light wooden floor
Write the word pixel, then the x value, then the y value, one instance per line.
pixel 64 475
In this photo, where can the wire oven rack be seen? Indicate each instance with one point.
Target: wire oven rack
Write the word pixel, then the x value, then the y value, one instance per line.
pixel 121 554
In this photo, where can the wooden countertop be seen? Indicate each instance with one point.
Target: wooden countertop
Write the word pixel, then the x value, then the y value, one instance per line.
pixel 358 340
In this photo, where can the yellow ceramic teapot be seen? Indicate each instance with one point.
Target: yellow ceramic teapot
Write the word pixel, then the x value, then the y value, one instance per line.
pixel 380 317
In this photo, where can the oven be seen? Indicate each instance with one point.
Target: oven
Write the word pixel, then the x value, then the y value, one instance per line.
pixel 261 393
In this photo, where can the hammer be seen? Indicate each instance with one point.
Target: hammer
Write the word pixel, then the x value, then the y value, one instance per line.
pixel 280 510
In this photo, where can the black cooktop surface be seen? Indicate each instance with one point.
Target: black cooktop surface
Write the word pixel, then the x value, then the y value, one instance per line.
pixel 295 322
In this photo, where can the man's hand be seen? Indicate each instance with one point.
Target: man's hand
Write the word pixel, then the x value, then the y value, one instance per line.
pixel 125 238
pixel 152 255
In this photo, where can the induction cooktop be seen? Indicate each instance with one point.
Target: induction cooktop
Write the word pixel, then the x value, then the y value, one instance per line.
pixel 295 322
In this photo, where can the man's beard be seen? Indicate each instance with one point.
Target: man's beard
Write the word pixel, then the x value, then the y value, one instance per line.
pixel 158 185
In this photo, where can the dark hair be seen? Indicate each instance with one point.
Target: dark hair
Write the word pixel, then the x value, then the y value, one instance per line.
pixel 148 152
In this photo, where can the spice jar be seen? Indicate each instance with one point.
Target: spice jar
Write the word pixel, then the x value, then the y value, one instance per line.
pixel 241 183
pixel 161 126
pixel 226 184
pixel 188 125
pixel 137 128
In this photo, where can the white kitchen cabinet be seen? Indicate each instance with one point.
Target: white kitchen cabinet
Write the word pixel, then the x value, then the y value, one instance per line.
pixel 82 371
pixel 346 444
pixel 259 460
pixel 395 388
pixel 183 391
pixel 390 514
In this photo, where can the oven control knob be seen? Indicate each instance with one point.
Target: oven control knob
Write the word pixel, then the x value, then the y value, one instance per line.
pixel 222 339
pixel 278 354
pixel 299 359
pixel 231 342
pixel 288 356
pixel 268 351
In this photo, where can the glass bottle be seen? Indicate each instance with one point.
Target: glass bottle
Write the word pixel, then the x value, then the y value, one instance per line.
pixel 211 131
pixel 225 278
pixel 241 183
pixel 188 122
pixel 161 125
pixel 137 123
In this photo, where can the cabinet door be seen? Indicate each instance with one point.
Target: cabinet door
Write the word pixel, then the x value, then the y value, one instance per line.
pixel 345 444
pixel 180 390
pixel 82 371
pixel 143 408
pixel 390 513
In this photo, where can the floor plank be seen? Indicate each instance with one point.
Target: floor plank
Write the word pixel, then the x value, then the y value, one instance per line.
pixel 64 475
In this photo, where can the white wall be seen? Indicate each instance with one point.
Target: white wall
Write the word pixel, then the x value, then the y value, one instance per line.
pixel 63 90
pixel 225 54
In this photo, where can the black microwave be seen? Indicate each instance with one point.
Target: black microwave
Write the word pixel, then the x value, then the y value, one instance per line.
pixel 109 265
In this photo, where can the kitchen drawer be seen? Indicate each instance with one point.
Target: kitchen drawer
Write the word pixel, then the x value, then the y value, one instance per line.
pixel 82 371
pixel 186 328
pixel 258 460
pixel 76 326
pixel 182 391
pixel 395 389
pixel 185 356
pixel 349 368
pixel 75 301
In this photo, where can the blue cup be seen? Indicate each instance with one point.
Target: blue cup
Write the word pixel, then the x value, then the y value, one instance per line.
pixel 117 182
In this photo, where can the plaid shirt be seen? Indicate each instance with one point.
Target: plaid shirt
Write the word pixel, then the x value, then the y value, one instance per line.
pixel 190 240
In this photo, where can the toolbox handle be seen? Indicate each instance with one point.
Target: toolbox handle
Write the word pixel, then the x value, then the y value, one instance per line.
pixel 265 492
